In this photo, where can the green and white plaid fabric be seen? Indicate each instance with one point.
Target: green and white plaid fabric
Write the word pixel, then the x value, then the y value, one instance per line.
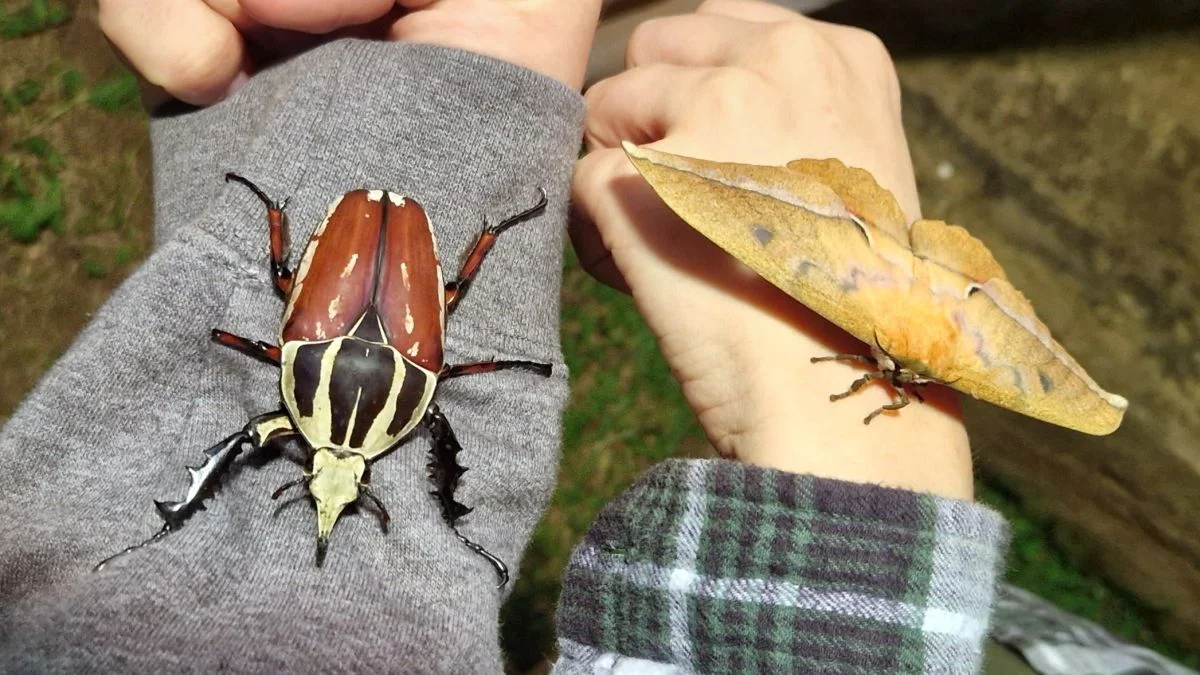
pixel 711 566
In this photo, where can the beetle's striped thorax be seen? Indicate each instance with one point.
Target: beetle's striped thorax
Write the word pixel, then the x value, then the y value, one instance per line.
pixel 353 395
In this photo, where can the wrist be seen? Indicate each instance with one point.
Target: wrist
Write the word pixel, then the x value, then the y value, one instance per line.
pixel 786 421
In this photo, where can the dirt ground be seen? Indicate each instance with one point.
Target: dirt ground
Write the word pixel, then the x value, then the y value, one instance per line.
pixel 49 288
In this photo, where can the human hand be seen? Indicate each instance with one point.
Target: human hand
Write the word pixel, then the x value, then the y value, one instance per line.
pixel 745 81
pixel 200 51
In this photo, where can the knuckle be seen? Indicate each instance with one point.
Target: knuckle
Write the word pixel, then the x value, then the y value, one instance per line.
pixel 642 37
pixel 732 91
pixel 788 40
pixel 865 46
pixel 201 67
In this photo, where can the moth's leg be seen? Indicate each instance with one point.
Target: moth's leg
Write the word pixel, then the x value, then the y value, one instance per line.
pixel 258 432
pixel 858 358
pixel 263 351
pixel 894 405
pixel 448 372
pixel 456 289
pixel 858 384
pixel 277 222
pixel 444 472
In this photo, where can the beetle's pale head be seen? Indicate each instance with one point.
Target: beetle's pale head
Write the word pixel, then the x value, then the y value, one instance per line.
pixel 335 483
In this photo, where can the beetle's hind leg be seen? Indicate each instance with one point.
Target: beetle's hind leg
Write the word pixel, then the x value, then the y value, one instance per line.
pixel 535 367
pixel 466 274
pixel 444 472
pixel 263 351
pixel 277 224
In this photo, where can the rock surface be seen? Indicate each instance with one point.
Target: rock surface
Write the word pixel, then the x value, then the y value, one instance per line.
pixel 1079 166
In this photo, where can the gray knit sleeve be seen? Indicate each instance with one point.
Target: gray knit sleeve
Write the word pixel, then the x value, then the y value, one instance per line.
pixel 143 391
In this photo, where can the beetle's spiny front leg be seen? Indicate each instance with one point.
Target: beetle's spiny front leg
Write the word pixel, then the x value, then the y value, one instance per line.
pixel 263 351
pixel 535 367
pixel 466 274
pixel 444 472
pixel 277 222
pixel 258 432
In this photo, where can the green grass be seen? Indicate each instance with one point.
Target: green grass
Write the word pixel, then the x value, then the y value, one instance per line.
pixel 31 17
pixel 31 192
pixel 116 93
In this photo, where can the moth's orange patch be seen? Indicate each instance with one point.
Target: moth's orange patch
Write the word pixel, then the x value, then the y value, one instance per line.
pixel 917 330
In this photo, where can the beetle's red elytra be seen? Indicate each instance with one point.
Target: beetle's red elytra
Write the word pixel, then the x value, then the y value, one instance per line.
pixel 361 352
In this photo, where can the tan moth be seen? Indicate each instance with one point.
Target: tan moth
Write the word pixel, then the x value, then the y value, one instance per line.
pixel 930 299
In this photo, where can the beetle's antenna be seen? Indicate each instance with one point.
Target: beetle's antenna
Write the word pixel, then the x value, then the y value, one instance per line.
pixel 271 204
pixel 302 480
pixel 166 529
pixel 384 518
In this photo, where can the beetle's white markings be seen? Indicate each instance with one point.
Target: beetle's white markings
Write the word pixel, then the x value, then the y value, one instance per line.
pixel 301 273
pixel 441 291
pixel 322 419
pixel 350 266
pixel 396 199
pixel 328 215
pixel 404 276
pixel 317 428
pixel 374 195
pixel 278 424
pixel 353 416
pixel 388 413
pixel 334 305
pixel 409 322
pixel 319 331
pixel 412 351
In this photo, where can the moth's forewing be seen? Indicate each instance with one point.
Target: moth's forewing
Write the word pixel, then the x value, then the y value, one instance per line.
pixel 829 238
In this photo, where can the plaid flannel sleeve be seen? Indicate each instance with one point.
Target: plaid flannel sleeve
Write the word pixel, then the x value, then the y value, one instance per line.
pixel 711 566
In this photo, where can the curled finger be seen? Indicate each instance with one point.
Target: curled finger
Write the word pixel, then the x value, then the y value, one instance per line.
pixel 320 16
pixel 688 40
pixel 183 46
pixel 748 10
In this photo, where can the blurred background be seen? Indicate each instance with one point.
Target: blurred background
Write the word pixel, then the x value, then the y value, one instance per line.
pixel 1063 133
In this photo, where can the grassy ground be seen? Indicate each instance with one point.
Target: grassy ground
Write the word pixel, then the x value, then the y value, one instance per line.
pixel 75 219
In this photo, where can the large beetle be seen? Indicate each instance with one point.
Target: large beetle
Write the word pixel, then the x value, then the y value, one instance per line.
pixel 360 356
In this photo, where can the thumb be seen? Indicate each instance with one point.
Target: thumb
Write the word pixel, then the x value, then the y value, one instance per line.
pixel 592 202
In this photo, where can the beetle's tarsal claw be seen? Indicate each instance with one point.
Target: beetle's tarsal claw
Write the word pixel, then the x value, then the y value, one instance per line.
pixel 166 529
pixel 497 564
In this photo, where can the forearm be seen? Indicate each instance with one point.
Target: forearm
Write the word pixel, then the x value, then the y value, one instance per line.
pixel 717 566
pixel 144 391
